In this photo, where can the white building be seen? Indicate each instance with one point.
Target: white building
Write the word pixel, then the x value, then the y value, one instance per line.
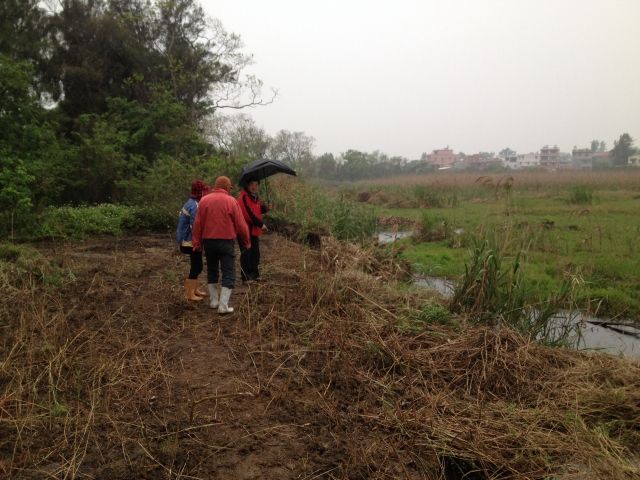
pixel 525 160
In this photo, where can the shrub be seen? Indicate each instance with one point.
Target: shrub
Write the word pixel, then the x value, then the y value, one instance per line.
pixel 581 195
pixel 105 219
pixel 434 313
pixel 433 227
pixel 10 252
pixel 428 197
pixel 493 291
pixel 150 219
pixel 82 221
pixel 313 210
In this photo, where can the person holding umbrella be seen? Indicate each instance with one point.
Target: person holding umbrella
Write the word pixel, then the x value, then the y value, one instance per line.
pixel 186 219
pixel 252 209
pixel 218 224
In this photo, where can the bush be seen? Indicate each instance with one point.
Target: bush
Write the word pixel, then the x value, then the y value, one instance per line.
pixel 434 313
pixel 150 219
pixel 313 210
pixel 105 219
pixel 492 291
pixel 433 228
pixel 10 252
pixel 580 195
pixel 79 222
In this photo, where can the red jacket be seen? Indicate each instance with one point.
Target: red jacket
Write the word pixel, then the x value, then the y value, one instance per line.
pixel 219 218
pixel 252 210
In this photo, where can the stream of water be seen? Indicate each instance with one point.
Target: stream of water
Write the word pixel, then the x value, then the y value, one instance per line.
pixel 616 338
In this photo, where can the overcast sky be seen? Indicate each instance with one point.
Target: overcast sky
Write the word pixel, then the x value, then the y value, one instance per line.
pixel 408 76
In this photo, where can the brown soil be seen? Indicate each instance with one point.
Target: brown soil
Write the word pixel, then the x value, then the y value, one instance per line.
pixel 107 372
pixel 200 394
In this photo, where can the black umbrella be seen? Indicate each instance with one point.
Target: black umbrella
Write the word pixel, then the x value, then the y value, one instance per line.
pixel 263 168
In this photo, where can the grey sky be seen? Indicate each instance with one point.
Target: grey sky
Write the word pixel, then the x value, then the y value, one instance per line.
pixel 408 76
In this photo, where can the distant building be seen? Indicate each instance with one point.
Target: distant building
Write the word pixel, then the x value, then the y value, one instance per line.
pixel 582 158
pixel 444 158
pixel 527 160
pixel 634 160
pixel 585 159
pixel 602 159
pixel 564 161
pixel 550 157
pixel 508 157
pixel 480 159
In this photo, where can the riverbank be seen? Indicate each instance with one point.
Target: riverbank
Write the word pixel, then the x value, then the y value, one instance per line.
pixel 592 243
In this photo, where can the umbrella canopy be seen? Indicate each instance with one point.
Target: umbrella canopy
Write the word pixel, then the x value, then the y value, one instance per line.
pixel 263 168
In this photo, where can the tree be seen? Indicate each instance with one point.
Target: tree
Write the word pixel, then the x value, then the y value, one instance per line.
pixel 355 165
pixel 326 166
pixel 602 147
pixel 126 48
pixel 238 136
pixel 595 144
pixel 292 148
pixel 29 149
pixel 622 150
pixel 26 36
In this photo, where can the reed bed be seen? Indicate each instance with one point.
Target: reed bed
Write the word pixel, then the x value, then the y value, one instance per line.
pixel 529 180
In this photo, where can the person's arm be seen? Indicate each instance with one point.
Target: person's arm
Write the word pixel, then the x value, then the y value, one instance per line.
pixel 254 220
pixel 242 230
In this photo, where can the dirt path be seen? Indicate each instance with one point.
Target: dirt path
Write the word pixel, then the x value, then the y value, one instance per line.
pixel 211 410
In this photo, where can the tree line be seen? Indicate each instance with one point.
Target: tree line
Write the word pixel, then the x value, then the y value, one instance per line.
pixel 100 97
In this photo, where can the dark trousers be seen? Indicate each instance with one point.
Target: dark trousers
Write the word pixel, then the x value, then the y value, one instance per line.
pixel 196 261
pixel 250 260
pixel 221 255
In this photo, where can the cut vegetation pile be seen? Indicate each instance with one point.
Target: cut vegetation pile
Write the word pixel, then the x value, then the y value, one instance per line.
pixel 327 370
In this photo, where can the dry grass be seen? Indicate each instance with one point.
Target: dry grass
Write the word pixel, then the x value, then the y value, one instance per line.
pixel 538 180
pixel 75 373
pixel 485 403
pixel 342 390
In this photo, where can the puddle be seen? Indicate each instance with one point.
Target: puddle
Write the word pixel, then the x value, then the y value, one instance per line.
pixel 441 285
pixel 390 237
pixel 617 338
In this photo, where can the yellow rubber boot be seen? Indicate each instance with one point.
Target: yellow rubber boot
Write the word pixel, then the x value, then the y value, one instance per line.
pixel 190 286
pixel 201 291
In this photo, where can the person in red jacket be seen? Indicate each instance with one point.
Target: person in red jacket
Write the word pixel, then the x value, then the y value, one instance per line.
pixel 219 222
pixel 252 209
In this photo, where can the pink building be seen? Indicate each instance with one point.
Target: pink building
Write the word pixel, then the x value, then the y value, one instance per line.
pixel 443 158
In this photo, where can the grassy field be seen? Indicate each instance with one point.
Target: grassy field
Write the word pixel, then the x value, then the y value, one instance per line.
pixel 577 226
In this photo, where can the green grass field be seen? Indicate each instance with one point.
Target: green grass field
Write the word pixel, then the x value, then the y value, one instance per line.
pixel 583 233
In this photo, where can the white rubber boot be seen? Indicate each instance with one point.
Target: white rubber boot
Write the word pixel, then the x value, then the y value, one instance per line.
pixel 224 307
pixel 213 295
